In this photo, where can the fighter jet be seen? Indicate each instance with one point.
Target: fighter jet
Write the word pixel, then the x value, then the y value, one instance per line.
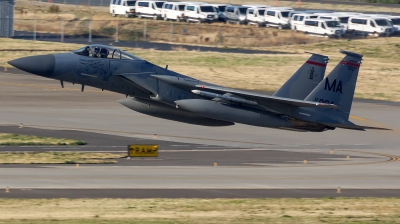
pixel 306 102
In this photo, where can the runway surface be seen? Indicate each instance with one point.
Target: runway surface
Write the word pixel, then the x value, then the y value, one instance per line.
pixel 249 158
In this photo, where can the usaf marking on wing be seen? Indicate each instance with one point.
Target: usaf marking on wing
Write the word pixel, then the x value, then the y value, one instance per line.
pixel 306 102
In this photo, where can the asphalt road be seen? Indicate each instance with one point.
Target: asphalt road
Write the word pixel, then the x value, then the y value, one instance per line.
pixel 248 158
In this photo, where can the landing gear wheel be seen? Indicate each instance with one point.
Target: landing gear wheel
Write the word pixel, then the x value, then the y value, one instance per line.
pixel 165 18
pixel 280 27
pixel 113 14
pixel 267 25
pixel 127 15
pixel 139 16
pixel 154 17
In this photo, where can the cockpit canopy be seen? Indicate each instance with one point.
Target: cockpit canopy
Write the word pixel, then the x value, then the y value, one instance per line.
pixel 103 51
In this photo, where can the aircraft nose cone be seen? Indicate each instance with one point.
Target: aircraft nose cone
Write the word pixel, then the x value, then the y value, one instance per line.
pixel 42 65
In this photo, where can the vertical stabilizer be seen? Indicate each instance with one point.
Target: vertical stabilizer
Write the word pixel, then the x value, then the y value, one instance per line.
pixel 305 79
pixel 339 86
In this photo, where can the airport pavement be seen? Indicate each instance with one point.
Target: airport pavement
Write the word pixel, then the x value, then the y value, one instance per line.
pixel 256 158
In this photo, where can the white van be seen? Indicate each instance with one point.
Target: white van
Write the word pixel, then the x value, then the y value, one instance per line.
pixel 173 11
pixel 396 22
pixel 124 7
pixel 278 17
pixel 297 20
pixel 322 27
pixel 256 16
pixel 341 17
pixel 149 9
pixel 371 25
pixel 394 19
pixel 200 13
pixel 221 11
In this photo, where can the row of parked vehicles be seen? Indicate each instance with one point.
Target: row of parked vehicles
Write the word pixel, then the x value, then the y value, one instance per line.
pixel 318 22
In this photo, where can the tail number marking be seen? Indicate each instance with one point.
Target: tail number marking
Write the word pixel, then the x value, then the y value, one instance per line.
pixel 334 86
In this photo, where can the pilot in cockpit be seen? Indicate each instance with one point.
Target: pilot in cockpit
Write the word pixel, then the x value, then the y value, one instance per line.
pixel 104 53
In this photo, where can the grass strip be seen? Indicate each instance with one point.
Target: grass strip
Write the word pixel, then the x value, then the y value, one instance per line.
pixel 17 139
pixel 58 158
pixel 284 210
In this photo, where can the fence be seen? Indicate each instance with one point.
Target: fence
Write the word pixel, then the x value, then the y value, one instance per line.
pixel 107 2
pixel 6 18
pixel 162 31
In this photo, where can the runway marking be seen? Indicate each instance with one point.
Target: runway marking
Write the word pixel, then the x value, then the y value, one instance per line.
pixel 393 158
pixel 358 118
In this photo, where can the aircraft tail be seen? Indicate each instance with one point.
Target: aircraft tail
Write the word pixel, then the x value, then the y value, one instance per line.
pixel 339 86
pixel 305 79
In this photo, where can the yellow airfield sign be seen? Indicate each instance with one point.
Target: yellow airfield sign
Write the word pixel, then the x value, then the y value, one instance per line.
pixel 142 150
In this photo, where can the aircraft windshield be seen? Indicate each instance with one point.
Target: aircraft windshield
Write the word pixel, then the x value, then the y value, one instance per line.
pixel 102 51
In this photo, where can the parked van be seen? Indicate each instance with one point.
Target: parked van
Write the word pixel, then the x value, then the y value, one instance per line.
pixel 256 16
pixel 322 27
pixel 342 18
pixel 371 25
pixel 396 22
pixel 200 13
pixel 149 9
pixel 236 14
pixel 124 7
pixel 221 8
pixel 278 17
pixel 173 11
pixel 394 19
pixel 297 20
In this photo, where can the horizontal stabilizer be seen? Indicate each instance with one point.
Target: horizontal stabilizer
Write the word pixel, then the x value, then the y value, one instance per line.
pixel 354 126
pixel 260 98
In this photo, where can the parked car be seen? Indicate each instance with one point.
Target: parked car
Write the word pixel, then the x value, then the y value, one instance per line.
pixel 236 14
pixel 322 27
pixel 149 9
pixel 297 20
pixel 371 25
pixel 278 17
pixel 256 16
pixel 124 7
pixel 173 11
pixel 341 17
pixel 200 13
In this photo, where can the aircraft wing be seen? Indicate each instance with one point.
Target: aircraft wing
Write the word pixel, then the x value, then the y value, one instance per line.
pixel 263 99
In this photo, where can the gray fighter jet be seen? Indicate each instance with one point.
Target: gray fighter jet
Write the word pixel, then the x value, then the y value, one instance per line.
pixel 306 102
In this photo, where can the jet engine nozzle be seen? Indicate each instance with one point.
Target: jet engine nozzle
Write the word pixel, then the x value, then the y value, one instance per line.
pixel 42 65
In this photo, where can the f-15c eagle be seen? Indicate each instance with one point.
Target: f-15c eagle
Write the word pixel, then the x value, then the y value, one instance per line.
pixel 306 102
